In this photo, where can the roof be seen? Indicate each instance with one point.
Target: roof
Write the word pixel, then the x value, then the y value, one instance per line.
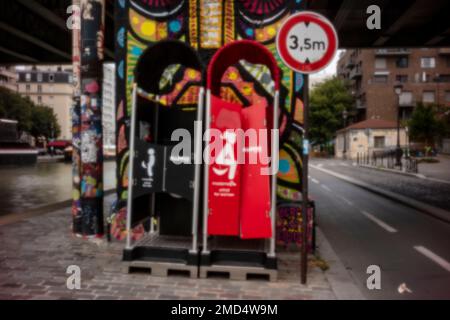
pixel 35 31
pixel 371 124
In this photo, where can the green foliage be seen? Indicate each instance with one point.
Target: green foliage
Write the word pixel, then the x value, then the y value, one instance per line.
pixel 37 120
pixel 14 106
pixel 45 123
pixel 327 103
pixel 425 124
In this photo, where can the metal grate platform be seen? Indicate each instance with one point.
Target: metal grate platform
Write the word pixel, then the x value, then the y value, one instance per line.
pixel 237 244
pixel 164 241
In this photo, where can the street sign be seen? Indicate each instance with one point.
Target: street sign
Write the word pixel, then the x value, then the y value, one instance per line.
pixel 307 42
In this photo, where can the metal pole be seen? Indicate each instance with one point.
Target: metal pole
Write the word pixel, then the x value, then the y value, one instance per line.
pixel 131 164
pixel 197 162
pixel 275 155
pixel 76 125
pixel 92 55
pixel 304 252
pixel 206 174
pixel 398 153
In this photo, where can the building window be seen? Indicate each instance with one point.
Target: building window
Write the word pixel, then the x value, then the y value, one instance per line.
pixel 428 62
pixel 39 99
pixel 380 63
pixel 28 77
pixel 39 77
pixel 406 99
pixel 402 62
pixel 444 78
pixel 39 88
pixel 27 88
pixel 447 96
pixel 403 78
pixel 51 77
pixel 380 79
pixel 428 97
pixel 379 142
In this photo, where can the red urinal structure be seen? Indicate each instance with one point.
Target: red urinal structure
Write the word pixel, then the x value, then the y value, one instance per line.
pixel 240 197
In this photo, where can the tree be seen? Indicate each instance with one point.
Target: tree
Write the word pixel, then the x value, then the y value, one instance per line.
pixel 424 125
pixel 15 107
pixel 45 124
pixel 327 102
pixel 39 121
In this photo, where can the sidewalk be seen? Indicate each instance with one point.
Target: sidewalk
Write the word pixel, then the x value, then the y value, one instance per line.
pixel 35 253
pixel 438 171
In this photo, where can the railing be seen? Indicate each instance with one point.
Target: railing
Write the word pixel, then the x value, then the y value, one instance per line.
pixel 393 52
pixel 386 159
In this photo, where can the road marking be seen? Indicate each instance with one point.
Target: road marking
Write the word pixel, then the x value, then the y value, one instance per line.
pixel 344 164
pixel 319 165
pixel 315 180
pixel 346 201
pixel 325 187
pixel 382 224
pixel 432 256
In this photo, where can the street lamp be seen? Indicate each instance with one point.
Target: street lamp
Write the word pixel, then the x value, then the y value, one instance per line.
pixel 398 88
pixel 344 116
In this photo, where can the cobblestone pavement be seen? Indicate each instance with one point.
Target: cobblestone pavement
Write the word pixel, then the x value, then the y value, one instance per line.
pixel 428 191
pixel 35 253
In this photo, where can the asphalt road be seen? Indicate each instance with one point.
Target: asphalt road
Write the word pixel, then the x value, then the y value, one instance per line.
pixel 365 229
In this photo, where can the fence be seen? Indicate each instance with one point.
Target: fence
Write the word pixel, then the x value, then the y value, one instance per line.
pixel 387 160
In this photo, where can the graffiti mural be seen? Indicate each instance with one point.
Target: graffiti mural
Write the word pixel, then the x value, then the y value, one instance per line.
pixel 90 136
pixel 76 131
pixel 207 25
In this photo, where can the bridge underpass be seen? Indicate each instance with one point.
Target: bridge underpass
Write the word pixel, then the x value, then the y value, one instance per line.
pixel 35 32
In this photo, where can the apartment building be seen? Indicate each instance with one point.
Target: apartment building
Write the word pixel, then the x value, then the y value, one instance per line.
pixel 8 78
pixel 51 86
pixel 423 73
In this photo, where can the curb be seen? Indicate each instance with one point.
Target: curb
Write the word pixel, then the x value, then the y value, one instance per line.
pixel 341 282
pixel 438 213
pixel 17 217
pixel 410 174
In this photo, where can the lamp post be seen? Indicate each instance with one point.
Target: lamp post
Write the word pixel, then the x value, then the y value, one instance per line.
pixel 344 116
pixel 407 142
pixel 398 88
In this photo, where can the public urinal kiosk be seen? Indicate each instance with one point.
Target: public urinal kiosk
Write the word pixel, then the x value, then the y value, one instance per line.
pixel 163 190
pixel 240 198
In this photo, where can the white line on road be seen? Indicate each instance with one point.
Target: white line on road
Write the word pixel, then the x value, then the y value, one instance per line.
pixel 382 224
pixel 431 255
pixel 325 187
pixel 346 200
pixel 315 180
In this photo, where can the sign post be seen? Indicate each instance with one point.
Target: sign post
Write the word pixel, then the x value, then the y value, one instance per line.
pixel 306 42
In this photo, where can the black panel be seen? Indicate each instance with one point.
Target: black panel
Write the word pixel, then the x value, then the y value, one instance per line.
pixel 175 215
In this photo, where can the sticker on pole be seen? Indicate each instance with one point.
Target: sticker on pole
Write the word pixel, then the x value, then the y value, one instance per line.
pixel 307 42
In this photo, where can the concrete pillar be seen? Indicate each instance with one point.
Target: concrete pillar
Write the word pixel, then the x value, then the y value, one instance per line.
pixel 92 54
pixel 76 120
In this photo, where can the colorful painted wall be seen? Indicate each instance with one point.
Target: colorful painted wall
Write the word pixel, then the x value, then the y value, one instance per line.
pixel 207 25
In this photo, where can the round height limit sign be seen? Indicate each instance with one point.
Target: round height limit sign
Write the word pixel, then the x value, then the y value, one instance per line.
pixel 307 42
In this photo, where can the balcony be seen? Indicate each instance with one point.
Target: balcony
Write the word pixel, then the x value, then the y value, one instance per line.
pixel 444 51
pixel 392 52
pixel 360 104
pixel 350 63
pixel 356 73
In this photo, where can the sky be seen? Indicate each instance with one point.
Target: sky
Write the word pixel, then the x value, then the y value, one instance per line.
pixel 328 71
